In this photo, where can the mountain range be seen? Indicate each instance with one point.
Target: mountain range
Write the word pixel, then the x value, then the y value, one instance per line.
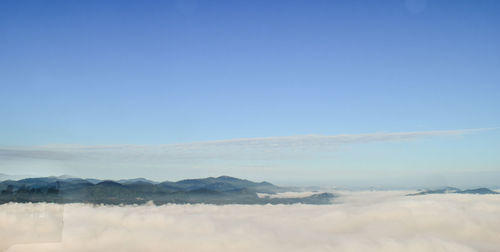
pixel 445 190
pixel 212 190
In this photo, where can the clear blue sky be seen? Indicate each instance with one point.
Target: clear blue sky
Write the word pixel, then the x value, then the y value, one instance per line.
pixel 164 72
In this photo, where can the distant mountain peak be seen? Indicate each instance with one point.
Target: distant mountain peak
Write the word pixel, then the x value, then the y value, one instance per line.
pixel 65 176
pixel 136 180
pixel 109 183
pixel 228 177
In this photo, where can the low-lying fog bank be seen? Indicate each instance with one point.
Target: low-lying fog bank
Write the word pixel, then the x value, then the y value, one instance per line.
pixel 361 221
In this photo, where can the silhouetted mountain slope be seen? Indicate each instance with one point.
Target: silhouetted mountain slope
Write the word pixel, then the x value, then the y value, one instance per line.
pixel 455 190
pixel 479 191
pixel 93 181
pixel 220 190
pixel 131 181
pixel 221 184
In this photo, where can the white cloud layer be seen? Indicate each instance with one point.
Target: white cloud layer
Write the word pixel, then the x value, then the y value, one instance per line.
pixel 366 221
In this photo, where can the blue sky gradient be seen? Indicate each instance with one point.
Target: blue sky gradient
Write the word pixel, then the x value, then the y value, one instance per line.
pixel 168 72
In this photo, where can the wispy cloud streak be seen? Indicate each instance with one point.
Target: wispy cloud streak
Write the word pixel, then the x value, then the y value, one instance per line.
pixel 263 147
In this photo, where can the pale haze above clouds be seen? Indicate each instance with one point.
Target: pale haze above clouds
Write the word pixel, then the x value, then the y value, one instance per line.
pixel 361 221
pixel 244 157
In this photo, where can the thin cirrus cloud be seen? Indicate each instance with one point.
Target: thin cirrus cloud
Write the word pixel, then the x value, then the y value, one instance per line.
pixel 243 148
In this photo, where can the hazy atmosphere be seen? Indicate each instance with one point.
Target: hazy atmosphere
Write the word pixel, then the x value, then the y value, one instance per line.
pixel 376 159
pixel 326 92
pixel 252 125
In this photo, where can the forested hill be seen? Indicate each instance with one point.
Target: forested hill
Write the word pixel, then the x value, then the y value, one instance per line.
pixel 219 190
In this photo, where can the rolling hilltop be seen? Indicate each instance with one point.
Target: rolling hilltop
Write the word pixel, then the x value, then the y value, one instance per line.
pixel 220 190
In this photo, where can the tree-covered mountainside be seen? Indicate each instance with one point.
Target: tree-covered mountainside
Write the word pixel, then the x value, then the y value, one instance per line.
pixel 220 190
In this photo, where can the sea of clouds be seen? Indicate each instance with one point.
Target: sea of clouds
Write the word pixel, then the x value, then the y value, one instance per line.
pixel 359 221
